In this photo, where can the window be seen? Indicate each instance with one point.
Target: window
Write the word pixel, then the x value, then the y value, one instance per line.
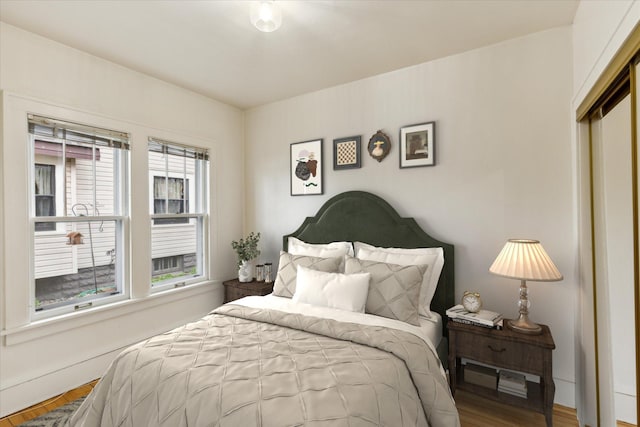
pixel 45 195
pixel 168 264
pixel 179 207
pixel 80 192
pixel 169 196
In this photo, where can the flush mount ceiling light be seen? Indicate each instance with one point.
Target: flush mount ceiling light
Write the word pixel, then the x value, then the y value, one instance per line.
pixel 265 16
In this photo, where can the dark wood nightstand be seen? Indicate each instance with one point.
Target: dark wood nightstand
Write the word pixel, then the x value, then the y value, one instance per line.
pixel 235 289
pixel 509 350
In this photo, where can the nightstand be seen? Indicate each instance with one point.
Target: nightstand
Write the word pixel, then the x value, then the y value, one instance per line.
pixel 235 289
pixel 509 350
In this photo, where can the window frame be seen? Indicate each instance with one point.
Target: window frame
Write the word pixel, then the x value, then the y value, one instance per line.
pixel 198 204
pixel 122 192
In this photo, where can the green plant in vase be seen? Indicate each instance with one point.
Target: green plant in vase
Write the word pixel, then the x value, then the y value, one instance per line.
pixel 246 250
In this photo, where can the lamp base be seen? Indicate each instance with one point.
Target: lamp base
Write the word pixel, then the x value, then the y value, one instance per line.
pixel 524 326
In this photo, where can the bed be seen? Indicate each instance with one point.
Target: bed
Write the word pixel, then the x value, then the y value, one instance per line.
pixel 308 354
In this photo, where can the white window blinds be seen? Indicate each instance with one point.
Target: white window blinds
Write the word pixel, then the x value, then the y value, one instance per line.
pixel 157 145
pixel 75 132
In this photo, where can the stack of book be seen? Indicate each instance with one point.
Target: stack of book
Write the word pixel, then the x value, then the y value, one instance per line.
pixel 512 383
pixel 485 318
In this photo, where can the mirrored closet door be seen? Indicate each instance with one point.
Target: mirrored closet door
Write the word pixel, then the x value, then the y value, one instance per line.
pixel 609 248
pixel 614 216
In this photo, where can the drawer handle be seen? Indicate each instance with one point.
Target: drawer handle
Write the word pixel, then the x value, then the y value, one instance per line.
pixel 496 350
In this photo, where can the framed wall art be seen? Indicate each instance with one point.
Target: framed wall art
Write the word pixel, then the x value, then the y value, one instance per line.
pixel 418 145
pixel 346 153
pixel 306 168
pixel 379 145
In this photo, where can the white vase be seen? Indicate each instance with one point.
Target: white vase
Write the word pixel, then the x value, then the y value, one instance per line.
pixel 244 272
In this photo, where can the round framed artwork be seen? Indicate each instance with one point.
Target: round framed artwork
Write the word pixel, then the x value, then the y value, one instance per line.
pixel 379 145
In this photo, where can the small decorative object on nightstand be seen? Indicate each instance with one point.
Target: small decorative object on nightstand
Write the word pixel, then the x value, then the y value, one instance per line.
pixel 247 250
pixel 506 349
pixel 268 278
pixel 260 273
pixel 235 289
pixel 471 301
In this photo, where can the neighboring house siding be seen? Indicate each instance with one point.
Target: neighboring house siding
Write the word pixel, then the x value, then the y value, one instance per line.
pixel 178 239
pixel 170 240
pixel 156 163
pixel 103 241
pixel 53 257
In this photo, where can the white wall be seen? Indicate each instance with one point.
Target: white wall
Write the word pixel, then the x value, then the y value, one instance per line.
pixel 38 361
pixel 599 28
pixel 503 166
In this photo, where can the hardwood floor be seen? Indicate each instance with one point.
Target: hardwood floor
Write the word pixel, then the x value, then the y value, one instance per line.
pixel 474 411
pixel 46 406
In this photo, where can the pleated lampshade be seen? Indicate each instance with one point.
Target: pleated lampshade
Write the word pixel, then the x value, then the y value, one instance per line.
pixel 525 260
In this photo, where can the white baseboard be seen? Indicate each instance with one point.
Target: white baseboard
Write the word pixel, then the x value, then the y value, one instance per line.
pixel 28 393
pixel 565 393
pixel 625 408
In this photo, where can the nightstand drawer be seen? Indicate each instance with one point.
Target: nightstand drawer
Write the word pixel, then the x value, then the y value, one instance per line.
pixel 501 353
pixel 234 289
pixel 233 294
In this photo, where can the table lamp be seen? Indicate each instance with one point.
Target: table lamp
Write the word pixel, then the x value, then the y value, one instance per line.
pixel 525 260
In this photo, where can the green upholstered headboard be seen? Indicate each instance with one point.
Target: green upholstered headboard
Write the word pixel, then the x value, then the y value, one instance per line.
pixel 358 216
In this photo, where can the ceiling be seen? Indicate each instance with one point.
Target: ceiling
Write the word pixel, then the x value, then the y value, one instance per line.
pixel 210 47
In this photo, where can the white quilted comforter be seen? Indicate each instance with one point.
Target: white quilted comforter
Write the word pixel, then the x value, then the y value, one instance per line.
pixel 244 366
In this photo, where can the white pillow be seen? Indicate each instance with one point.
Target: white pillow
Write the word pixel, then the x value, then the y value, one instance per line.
pixel 334 290
pixel 433 257
pixel 328 250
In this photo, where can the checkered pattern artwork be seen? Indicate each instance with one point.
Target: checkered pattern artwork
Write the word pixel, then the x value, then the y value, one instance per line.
pixel 346 153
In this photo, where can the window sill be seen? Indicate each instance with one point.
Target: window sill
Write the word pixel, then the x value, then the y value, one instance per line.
pixel 67 322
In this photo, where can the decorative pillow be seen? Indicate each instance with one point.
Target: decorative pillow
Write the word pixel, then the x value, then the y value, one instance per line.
pixel 285 284
pixel 335 290
pixel 433 257
pixel 328 250
pixel 394 290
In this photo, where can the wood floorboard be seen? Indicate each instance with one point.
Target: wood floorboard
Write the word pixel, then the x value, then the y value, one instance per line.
pixel 48 405
pixel 474 411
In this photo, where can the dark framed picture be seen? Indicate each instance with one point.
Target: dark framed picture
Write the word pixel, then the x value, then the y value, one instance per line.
pixel 418 145
pixel 346 153
pixel 379 145
pixel 306 167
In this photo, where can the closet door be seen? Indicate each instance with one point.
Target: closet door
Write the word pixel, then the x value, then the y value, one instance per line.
pixel 615 255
